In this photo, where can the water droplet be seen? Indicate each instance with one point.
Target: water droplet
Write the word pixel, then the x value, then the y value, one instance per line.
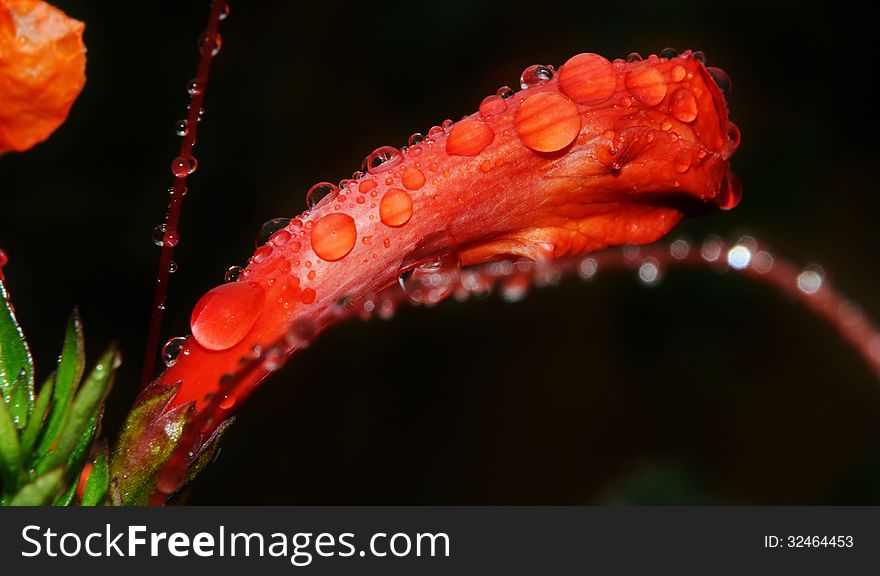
pixel 721 79
pixel 534 75
pixel 679 249
pixel 320 192
pixel 700 56
pixel 183 166
pixel 232 273
pixel 588 268
pixel 382 159
pixel 182 128
pixel 811 279
pixel 739 257
pixel 634 57
pixel 207 41
pixel 415 139
pixel 396 207
pixel 647 84
pixel 446 125
pixel 413 179
pixel 683 105
pixel 649 271
pixel 224 316
pixel 730 193
pixel 224 10
pixel 469 137
pixel 333 236
pixel 669 53
pixel 270 227
pixel 492 106
pixel 731 143
pixel 682 162
pixel 711 249
pixel 547 122
pixel 587 79
pixel 678 73
pixel 429 273
pixel 172 350
pixel 504 92
pixel 273 359
pixel 172 267
pixel 159 235
pixel 193 87
pixel 515 288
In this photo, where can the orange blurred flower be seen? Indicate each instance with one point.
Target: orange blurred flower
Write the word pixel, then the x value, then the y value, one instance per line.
pixel 42 71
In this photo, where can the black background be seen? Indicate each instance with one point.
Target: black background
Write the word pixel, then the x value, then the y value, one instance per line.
pixel 705 389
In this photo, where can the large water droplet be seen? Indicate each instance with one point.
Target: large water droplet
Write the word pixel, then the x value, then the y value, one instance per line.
pixel 382 159
pixel 731 143
pixel 333 236
pixel 429 273
pixel 492 106
pixel 224 316
pixel 534 75
pixel 396 207
pixel 469 137
pixel 730 193
pixel 683 105
pixel 647 84
pixel 587 79
pixel 183 166
pixel 721 79
pixel 668 53
pixel 320 192
pixel 415 139
pixel 547 122
pixel 172 350
pixel 270 227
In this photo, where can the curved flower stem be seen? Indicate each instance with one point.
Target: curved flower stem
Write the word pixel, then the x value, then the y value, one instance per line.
pixel 181 167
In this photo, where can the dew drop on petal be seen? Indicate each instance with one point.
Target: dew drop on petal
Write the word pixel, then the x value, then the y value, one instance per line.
pixel 333 236
pixel 721 79
pixel 492 106
pixel 396 207
pixel 430 272
pixel 413 178
pixel 730 193
pixel 182 128
pixel 320 192
pixel 505 92
pixel 547 122
pixel 647 84
pixel 224 316
pixel 382 159
pixel 172 350
pixel 534 75
pixel 469 137
pixel 269 228
pixel 683 105
pixel 587 79
pixel 232 273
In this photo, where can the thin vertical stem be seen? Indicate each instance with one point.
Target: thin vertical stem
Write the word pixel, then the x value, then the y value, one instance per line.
pixel 207 43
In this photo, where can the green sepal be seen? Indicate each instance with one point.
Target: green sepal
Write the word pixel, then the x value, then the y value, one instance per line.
pixel 38 416
pixel 67 378
pixel 15 356
pixel 43 490
pixel 209 450
pixel 147 441
pixel 99 480
pixel 81 420
pixel 10 451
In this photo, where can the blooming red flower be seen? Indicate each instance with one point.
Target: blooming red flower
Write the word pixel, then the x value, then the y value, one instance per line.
pixel 42 71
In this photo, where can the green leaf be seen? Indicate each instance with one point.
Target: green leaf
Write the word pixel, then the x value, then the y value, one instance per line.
pixel 35 422
pixel 99 479
pixel 41 491
pixel 15 356
pixel 10 451
pixel 82 417
pixel 147 441
pixel 70 371
pixel 21 401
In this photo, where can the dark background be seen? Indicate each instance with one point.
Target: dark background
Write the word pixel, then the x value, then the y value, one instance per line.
pixel 705 389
